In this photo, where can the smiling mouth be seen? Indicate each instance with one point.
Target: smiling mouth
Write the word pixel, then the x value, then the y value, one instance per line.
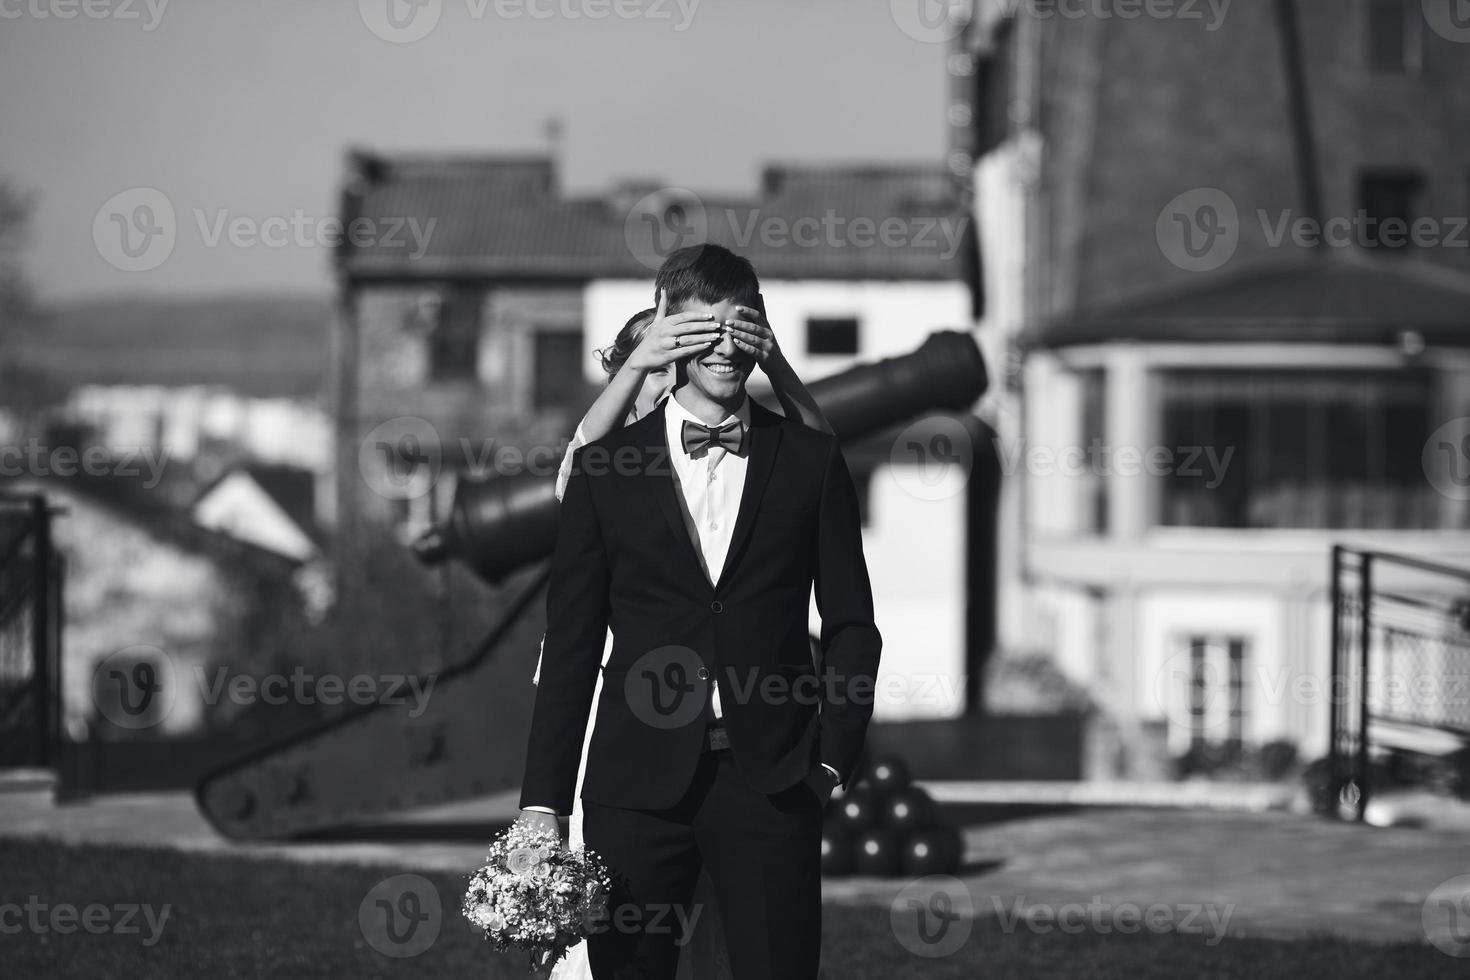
pixel 719 368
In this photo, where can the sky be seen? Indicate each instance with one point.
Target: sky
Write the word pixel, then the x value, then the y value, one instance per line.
pixel 242 109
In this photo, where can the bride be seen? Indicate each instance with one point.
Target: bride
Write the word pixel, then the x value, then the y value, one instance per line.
pixel 641 367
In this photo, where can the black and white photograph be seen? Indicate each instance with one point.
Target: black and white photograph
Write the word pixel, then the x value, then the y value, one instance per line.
pixel 734 489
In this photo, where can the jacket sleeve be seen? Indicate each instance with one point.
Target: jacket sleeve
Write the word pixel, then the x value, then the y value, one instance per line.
pixel 850 641
pixel 577 612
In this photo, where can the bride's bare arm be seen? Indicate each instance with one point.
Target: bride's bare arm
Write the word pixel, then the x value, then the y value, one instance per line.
pixel 668 339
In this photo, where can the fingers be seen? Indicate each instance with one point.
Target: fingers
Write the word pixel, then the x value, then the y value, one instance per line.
pixel 690 338
pixel 751 335
pixel 758 330
pixel 702 323
pixel 680 318
pixel 759 353
pixel 661 300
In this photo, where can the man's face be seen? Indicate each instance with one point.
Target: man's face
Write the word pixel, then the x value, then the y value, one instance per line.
pixel 720 372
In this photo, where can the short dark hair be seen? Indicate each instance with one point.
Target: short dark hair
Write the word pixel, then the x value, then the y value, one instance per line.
pixel 613 358
pixel 709 274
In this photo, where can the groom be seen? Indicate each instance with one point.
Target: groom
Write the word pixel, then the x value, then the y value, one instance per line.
pixel 697 534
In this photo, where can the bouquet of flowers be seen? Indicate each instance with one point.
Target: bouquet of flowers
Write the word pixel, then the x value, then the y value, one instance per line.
pixel 536 894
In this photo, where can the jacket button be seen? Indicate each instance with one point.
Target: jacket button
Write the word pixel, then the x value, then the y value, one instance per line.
pixel 703 673
pixel 717 606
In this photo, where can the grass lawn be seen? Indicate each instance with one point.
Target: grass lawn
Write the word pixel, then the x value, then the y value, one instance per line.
pixel 235 917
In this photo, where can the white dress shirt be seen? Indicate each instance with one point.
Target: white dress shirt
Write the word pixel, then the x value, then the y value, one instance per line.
pixel 710 483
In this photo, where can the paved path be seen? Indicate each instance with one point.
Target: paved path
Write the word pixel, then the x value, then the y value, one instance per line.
pixel 1271 873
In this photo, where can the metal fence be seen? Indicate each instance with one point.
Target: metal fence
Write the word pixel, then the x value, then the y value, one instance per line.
pixel 30 633
pixel 1400 667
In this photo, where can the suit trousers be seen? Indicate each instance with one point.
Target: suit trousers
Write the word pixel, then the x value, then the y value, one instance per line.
pixel 762 852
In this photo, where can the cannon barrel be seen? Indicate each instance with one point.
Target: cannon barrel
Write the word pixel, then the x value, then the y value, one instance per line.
pixel 500 524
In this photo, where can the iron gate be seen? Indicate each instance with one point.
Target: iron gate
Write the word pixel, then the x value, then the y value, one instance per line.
pixel 1400 667
pixel 30 633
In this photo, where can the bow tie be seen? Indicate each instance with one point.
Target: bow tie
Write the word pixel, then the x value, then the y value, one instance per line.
pixel 730 436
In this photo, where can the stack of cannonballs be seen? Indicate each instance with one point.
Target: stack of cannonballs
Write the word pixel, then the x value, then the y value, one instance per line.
pixel 886 826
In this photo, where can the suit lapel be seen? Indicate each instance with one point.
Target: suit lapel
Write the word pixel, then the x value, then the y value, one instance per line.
pixel 765 438
pixel 659 468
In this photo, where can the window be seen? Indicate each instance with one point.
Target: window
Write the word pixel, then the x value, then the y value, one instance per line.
pixel 454 341
pixel 831 335
pixel 557 371
pixel 1094 429
pixel 1391 202
pixel 1394 35
pixel 1214 697
pixel 1296 449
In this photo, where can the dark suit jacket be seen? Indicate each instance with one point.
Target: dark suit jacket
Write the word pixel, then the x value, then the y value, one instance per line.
pixel 624 560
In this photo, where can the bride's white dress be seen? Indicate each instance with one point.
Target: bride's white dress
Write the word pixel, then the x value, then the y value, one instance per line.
pixel 704 956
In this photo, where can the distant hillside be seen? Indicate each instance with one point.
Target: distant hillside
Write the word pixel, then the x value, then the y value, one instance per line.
pixel 264 346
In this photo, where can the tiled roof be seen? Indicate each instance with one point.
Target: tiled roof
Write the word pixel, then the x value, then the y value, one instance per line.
pixel 1335 299
pixel 505 217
